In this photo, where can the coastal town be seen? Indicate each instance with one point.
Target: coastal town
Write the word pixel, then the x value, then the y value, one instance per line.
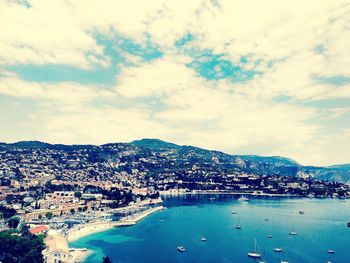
pixel 63 193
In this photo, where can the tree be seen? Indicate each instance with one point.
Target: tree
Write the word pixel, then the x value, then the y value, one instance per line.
pixel 25 231
pixel 6 212
pixel 20 249
pixel 72 211
pixel 77 194
pixel 49 215
pixel 106 259
pixel 13 222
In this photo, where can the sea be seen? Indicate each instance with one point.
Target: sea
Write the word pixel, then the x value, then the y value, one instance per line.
pixel 322 227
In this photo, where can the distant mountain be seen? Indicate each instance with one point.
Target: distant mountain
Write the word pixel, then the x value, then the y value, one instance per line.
pixel 154 144
pixel 165 157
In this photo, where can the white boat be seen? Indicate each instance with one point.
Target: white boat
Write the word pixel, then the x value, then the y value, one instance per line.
pixel 278 249
pixel 331 251
pixel 293 233
pixel 238 227
pixel 203 239
pixel 181 249
pixel 269 236
pixel 284 261
pixel 243 199
pixel 255 253
pixel 234 212
pixel 266 219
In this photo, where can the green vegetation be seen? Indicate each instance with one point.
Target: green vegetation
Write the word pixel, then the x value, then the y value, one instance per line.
pixel 13 222
pixel 6 213
pixel 48 215
pixel 26 248
pixel 77 194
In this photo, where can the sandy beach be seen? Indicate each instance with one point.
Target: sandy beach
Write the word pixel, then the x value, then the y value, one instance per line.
pixel 80 231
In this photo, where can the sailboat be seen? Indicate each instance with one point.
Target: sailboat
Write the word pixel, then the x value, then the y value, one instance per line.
pixel 285 260
pixel 203 239
pixel 243 199
pixel 255 253
pixel 278 249
pixel 293 233
pixel 238 226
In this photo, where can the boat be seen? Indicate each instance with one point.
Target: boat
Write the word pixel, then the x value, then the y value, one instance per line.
pixel 348 224
pixel 181 249
pixel 266 219
pixel 238 227
pixel 278 249
pixel 330 251
pixel 269 236
pixel 301 212
pixel 243 199
pixel 293 233
pixel 284 261
pixel 234 212
pixel 255 253
pixel 203 239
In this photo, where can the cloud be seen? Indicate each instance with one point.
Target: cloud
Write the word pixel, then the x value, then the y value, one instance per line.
pixel 283 108
pixel 63 94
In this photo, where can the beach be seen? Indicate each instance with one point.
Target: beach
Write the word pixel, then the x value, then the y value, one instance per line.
pixel 83 230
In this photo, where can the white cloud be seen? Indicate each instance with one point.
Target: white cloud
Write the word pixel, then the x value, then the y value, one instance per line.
pixel 289 42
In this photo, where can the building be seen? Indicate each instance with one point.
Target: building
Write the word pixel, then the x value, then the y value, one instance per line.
pixel 57 250
pixel 38 230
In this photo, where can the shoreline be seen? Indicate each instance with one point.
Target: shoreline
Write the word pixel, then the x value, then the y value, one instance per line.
pixel 81 231
pixel 206 192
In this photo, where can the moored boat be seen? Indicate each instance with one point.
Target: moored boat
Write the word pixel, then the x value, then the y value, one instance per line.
pixel 243 199
pixel 278 249
pixel 255 253
pixel 203 239
pixel 181 249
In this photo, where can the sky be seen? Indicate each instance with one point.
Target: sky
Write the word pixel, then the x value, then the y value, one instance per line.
pixel 265 77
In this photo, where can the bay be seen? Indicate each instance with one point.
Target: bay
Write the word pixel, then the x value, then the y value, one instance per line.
pixel 189 217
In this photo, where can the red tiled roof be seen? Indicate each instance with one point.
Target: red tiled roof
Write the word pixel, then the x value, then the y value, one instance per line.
pixel 37 230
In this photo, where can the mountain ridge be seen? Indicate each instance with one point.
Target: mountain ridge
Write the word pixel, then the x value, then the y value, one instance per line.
pixel 256 164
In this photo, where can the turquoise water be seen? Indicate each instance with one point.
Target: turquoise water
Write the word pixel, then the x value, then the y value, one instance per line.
pixel 155 239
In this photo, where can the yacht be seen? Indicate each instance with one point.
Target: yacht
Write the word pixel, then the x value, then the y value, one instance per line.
pixel 284 261
pixel 278 249
pixel 269 236
pixel 181 249
pixel 203 239
pixel 243 199
pixel 331 251
pixel 234 212
pixel 238 227
pixel 266 219
pixel 301 212
pixel 255 253
pixel 293 233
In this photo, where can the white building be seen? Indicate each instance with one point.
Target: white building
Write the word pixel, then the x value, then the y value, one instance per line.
pixel 57 250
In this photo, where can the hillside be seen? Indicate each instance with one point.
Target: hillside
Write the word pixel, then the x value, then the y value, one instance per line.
pixel 157 158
